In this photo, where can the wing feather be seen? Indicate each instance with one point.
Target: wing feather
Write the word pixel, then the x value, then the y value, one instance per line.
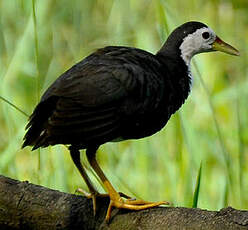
pixel 87 104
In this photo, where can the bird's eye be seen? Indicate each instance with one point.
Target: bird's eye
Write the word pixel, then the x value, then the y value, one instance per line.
pixel 205 35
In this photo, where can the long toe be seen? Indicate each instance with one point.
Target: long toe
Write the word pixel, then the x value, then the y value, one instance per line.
pixel 132 205
pixel 144 202
pixel 92 195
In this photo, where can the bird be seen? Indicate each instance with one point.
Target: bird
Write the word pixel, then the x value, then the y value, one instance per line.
pixel 115 94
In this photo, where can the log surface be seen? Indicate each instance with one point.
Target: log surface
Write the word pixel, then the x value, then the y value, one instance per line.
pixel 30 207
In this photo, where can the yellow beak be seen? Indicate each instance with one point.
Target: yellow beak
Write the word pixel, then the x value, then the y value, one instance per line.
pixel 220 45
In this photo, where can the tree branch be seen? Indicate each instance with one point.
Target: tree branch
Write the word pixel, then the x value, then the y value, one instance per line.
pixel 27 206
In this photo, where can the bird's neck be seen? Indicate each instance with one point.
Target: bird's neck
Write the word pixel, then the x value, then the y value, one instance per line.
pixel 187 50
pixel 183 50
pixel 178 74
pixel 178 56
pixel 177 63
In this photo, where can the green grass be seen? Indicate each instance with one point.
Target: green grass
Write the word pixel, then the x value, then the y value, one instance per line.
pixel 39 40
pixel 197 188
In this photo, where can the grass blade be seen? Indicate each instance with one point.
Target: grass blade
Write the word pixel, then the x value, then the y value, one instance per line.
pixel 197 188
pixel 37 66
pixel 14 106
pixel 36 50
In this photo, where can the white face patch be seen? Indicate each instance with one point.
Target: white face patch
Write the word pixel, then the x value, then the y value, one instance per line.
pixel 199 41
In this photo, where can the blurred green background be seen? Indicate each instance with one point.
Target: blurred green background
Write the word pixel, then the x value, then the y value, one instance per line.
pixel 211 127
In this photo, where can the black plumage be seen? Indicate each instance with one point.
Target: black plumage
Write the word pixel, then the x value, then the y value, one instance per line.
pixel 116 93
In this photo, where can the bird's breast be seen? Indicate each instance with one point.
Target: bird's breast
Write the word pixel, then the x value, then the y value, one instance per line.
pixel 150 114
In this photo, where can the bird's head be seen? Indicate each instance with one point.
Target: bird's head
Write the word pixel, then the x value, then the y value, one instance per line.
pixel 195 37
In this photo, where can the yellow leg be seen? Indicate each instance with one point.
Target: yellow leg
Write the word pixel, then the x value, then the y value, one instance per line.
pixel 115 198
pixel 75 155
pixel 93 193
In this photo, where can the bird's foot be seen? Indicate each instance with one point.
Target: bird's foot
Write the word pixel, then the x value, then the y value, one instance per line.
pixel 94 194
pixel 131 204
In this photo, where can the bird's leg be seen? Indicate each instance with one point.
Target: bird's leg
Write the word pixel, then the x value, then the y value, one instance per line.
pixel 115 199
pixel 93 193
pixel 75 155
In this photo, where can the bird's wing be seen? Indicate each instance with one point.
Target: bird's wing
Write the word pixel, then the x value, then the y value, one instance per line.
pixel 83 104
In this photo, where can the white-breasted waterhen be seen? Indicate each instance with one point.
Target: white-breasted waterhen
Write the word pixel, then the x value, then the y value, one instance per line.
pixel 119 93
